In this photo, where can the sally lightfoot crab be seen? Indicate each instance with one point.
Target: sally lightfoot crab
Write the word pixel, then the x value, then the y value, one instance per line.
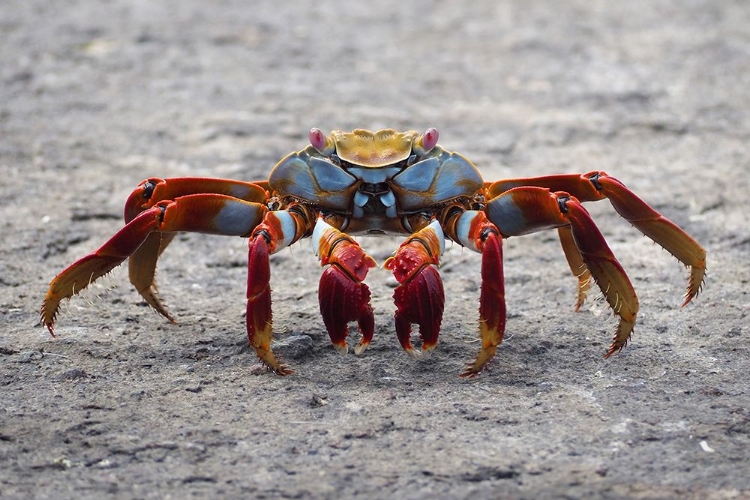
pixel 384 182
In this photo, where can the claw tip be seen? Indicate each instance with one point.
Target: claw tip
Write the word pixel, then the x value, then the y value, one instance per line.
pixel 342 348
pixel 360 348
pixel 414 354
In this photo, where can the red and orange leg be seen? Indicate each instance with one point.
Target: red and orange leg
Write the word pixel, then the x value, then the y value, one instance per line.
pixel 343 296
pixel 473 230
pixel 597 185
pixel 577 266
pixel 524 210
pixel 207 213
pixel 419 298
pixel 142 262
pixel 278 230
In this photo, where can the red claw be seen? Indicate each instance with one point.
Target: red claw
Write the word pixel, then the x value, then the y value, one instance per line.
pixel 342 295
pixel 419 298
pixel 342 300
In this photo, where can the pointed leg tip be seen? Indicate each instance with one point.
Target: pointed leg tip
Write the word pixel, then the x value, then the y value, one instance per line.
pixel 470 371
pixel 581 297
pixel 615 348
pixel 695 284
pixel 690 295
pixel 169 317
pixel 283 370
pixel 579 304
pixel 270 361
pixel 485 355
pixel 153 300
pixel 622 336
pixel 48 320
pixel 278 368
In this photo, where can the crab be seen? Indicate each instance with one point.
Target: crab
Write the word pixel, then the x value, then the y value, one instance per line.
pixel 382 183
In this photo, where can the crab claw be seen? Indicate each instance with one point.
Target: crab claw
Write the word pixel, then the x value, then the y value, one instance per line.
pixel 343 299
pixel 419 298
pixel 342 295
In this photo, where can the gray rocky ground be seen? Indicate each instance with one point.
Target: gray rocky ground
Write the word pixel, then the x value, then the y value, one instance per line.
pixel 97 95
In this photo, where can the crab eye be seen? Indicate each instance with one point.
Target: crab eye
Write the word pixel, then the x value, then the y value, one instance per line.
pixel 430 138
pixel 317 139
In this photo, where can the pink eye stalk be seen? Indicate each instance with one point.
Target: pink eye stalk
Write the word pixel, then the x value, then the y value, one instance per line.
pixel 317 139
pixel 430 138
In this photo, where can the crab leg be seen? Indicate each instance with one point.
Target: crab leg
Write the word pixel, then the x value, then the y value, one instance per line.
pixel 204 213
pixel 597 185
pixel 142 262
pixel 342 295
pixel 278 230
pixel 473 230
pixel 524 210
pixel 419 297
pixel 577 266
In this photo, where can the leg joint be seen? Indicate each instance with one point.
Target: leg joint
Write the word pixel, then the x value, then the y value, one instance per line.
pixel 487 231
pixel 148 189
pixel 263 232
pixel 562 203
pixel 594 179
